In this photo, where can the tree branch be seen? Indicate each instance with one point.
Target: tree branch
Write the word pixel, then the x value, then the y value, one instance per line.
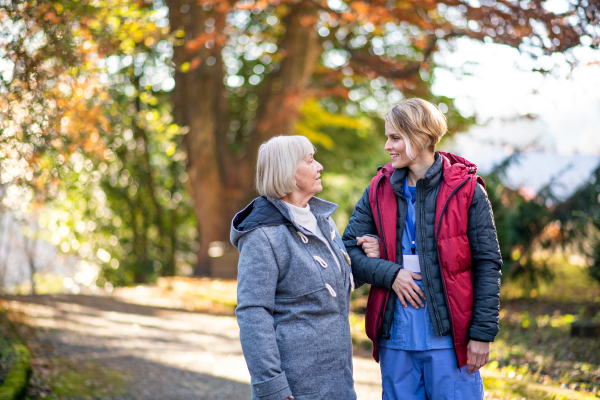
pixel 394 69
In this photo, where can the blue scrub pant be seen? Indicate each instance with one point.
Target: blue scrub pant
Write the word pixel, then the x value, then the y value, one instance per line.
pixel 427 375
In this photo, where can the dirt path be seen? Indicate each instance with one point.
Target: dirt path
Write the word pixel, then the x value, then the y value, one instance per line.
pixel 110 348
pixel 141 345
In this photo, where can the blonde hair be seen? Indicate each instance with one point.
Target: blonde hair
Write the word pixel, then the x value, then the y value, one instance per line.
pixel 278 162
pixel 420 123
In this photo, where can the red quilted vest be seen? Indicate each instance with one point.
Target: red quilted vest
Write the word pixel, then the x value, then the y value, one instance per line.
pixel 452 207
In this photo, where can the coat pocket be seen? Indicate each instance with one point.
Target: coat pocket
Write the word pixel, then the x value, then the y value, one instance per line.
pixel 298 349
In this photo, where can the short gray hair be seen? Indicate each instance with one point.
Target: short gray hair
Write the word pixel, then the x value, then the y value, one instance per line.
pixel 278 162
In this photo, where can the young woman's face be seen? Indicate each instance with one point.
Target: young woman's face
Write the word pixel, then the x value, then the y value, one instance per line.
pixel 396 147
pixel 308 176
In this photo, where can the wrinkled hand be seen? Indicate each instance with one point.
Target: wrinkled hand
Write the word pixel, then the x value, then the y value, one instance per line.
pixel 407 290
pixel 478 354
pixel 370 245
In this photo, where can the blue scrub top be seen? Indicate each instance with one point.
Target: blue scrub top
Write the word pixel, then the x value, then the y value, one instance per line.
pixel 411 328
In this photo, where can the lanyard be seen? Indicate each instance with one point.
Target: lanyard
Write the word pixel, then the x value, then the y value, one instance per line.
pixel 410 217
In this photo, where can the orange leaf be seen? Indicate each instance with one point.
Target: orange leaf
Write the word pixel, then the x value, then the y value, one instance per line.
pixel 195 62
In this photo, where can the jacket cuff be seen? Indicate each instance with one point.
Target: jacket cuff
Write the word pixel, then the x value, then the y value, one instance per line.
pixel 476 334
pixel 373 236
pixel 394 275
pixel 276 388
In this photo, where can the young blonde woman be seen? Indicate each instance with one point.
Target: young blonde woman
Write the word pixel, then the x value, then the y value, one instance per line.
pixel 294 281
pixel 434 299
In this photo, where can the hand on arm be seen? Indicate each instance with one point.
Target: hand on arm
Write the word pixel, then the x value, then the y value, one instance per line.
pixel 407 290
pixel 370 245
pixel 478 354
pixel 372 270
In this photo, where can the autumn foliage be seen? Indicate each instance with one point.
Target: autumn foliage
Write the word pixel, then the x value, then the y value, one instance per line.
pixel 80 74
pixel 244 68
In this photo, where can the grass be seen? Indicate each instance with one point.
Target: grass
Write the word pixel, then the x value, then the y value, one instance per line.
pixel 571 284
pixel 7 357
pixel 15 365
pixel 534 343
pixel 536 346
pixel 83 380
pixel 506 388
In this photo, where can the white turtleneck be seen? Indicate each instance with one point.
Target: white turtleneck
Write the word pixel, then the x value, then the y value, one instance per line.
pixel 306 219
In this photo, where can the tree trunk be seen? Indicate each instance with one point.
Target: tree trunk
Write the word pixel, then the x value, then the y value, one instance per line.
pixel 221 182
pixel 4 250
pixel 30 251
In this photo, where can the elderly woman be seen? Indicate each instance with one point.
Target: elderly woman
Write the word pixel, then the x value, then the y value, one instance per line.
pixel 434 301
pixel 294 281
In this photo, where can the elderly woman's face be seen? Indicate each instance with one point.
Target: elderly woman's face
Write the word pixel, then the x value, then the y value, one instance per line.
pixel 308 176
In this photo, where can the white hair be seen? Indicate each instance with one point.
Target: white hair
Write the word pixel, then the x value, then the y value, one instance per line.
pixel 278 162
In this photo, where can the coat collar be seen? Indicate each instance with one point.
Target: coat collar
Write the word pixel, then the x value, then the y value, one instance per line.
pixel 319 207
pixel 268 211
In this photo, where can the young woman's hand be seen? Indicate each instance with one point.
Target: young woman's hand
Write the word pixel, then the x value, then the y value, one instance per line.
pixel 289 398
pixel 370 245
pixel 478 354
pixel 407 290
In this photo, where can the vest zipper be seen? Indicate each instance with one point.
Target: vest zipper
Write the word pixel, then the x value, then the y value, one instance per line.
pixel 423 240
pixel 443 282
pixel 446 206
pixel 379 216
pixel 383 303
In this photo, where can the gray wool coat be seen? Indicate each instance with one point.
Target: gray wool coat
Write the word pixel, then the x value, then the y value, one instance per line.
pixel 293 303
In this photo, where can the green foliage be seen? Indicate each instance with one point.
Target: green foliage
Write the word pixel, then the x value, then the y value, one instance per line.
pixel 520 221
pixel 143 180
pixel 50 93
pixel 580 217
pixel 350 149
pixel 124 207
pixel 535 345
pixel 526 225
pixel 594 269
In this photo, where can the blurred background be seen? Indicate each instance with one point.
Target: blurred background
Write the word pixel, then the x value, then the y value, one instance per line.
pixel 129 132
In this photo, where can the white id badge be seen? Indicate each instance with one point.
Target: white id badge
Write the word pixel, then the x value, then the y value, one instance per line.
pixel 411 263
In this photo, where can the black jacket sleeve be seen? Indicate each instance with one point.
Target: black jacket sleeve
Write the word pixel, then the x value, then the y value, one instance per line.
pixel 487 266
pixel 375 271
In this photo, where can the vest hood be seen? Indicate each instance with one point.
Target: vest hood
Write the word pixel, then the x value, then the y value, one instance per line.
pixel 457 169
pixel 454 159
